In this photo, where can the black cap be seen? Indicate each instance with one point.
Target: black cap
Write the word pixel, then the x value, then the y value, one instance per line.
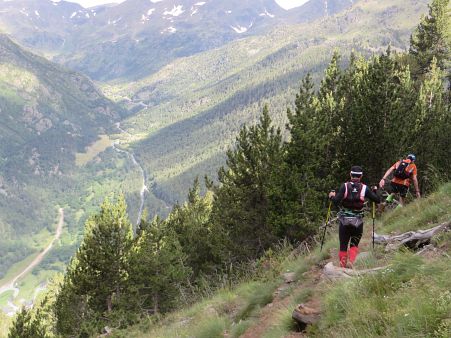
pixel 356 171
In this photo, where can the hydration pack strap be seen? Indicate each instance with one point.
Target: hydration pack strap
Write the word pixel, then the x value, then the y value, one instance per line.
pixel 362 191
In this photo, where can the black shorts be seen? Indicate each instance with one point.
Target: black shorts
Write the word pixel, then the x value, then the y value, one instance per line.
pixel 400 189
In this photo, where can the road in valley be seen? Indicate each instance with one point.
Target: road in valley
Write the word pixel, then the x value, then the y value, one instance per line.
pixel 11 285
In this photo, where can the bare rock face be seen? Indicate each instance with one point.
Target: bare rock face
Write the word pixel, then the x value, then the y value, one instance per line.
pixel 36 120
pixel 43 125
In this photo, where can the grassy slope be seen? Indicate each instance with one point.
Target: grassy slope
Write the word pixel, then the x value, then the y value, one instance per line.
pixel 197 104
pixel 411 298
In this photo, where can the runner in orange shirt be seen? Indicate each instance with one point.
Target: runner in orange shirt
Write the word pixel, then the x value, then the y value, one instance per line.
pixel 403 172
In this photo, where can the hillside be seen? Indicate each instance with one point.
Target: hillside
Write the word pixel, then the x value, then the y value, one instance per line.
pixel 48 115
pixel 408 298
pixel 139 31
pixel 188 113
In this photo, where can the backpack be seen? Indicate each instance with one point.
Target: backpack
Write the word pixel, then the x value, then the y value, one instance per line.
pixel 401 171
pixel 354 195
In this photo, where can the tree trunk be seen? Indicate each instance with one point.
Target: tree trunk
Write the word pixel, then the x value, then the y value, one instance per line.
pixel 411 239
pixel 109 303
pixel 155 304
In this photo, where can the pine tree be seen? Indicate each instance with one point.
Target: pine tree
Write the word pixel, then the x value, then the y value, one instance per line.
pixel 96 280
pixel 158 269
pixel 27 326
pixel 295 201
pixel 378 102
pixel 432 38
pixel 241 203
pixel 430 134
pixel 191 223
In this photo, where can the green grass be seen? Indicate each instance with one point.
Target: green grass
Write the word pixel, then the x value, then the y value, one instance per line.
pixel 239 328
pixel 410 298
pixel 211 328
pixel 258 295
pixel 17 268
pixel 4 297
pixel 420 214
pixel 5 322
pixel 93 150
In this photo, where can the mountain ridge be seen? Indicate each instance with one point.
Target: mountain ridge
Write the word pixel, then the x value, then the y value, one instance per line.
pixel 136 31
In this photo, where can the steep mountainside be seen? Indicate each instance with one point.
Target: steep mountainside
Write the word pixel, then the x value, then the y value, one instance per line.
pixel 138 37
pixel 190 111
pixel 48 115
pixel 408 297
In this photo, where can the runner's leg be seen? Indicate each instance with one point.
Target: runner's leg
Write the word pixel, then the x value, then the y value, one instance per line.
pixel 344 236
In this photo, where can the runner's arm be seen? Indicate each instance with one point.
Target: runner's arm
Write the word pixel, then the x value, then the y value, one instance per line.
pixel 372 196
pixel 337 198
pixel 387 173
pixel 415 183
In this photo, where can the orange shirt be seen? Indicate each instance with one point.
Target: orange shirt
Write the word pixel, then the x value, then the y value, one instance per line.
pixel 411 168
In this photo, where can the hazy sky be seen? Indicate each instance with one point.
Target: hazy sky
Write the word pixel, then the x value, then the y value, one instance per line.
pixel 284 3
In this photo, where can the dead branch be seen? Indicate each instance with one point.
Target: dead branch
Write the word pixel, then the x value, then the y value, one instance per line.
pixel 411 239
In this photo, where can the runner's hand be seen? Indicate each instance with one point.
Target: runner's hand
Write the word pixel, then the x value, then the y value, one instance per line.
pixel 418 194
pixel 382 183
pixel 332 194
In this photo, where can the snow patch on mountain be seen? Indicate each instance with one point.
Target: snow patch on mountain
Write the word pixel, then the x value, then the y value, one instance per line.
pixel 155 1
pixel 200 3
pixel 169 30
pixel 36 13
pixel 239 29
pixel 114 22
pixel 266 13
pixel 146 17
pixel 176 11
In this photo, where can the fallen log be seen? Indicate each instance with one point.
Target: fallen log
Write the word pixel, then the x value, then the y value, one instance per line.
pixel 333 272
pixel 305 315
pixel 411 239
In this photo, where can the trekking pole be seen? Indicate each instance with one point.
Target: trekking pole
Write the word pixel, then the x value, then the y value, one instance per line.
pixel 374 216
pixel 325 225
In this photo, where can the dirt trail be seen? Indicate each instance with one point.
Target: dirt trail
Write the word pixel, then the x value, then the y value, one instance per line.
pixel 312 280
pixel 268 315
pixel 59 229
